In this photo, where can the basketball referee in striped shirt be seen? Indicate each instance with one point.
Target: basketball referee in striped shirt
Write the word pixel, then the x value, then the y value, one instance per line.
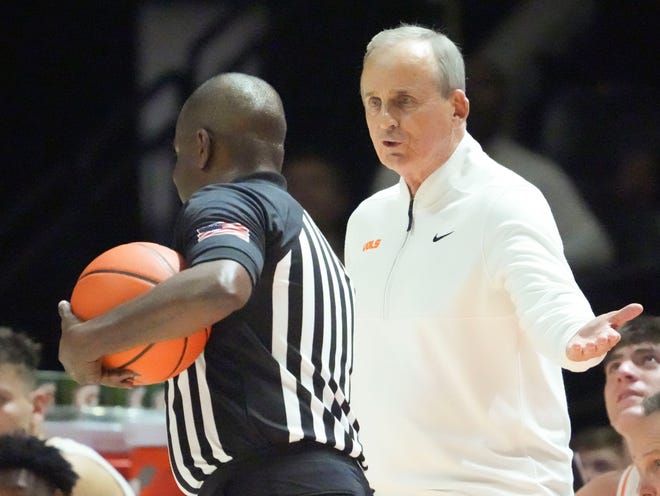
pixel 265 408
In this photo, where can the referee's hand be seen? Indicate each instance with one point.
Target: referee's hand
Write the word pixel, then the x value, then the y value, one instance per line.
pixel 78 357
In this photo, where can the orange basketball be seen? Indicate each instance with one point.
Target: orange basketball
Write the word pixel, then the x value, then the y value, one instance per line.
pixel 120 274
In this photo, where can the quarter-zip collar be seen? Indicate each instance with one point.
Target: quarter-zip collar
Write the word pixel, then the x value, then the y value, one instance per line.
pixel 436 187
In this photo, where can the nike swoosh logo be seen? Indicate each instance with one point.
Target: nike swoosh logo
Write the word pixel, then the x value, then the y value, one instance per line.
pixel 438 238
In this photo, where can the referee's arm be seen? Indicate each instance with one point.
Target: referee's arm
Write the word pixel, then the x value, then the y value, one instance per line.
pixel 179 306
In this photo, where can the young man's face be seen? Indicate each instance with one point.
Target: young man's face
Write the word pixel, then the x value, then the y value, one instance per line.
pixel 594 462
pixel 16 405
pixel 631 374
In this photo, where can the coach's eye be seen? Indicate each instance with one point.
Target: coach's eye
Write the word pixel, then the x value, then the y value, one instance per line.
pixel 373 103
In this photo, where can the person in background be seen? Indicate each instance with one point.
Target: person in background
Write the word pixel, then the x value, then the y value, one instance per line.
pixel 597 450
pixel 317 183
pixel 265 409
pixel 30 467
pixel 23 408
pixel 615 162
pixel 632 374
pixel 634 200
pixel 466 308
pixel 644 446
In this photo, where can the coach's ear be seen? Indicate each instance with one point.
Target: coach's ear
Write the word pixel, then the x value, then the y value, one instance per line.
pixel 42 399
pixel 460 104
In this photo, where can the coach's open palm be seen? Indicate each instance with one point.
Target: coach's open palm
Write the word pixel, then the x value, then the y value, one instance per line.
pixel 599 335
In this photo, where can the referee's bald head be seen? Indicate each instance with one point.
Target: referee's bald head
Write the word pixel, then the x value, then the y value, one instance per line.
pixel 244 111
pixel 231 126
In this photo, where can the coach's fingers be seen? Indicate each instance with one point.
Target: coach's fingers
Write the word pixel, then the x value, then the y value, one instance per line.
pixel 625 314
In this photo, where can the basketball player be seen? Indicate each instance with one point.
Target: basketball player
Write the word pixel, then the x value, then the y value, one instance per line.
pixel 265 408
pixel 632 374
pixel 30 467
pixel 645 447
pixel 597 450
pixel 23 407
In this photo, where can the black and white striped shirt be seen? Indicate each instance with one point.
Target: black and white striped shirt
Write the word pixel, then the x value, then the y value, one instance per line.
pixel 277 371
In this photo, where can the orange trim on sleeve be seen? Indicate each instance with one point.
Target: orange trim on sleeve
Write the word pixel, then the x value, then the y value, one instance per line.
pixel 624 481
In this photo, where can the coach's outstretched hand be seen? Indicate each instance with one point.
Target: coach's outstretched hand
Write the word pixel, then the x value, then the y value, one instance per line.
pixel 599 335
pixel 78 356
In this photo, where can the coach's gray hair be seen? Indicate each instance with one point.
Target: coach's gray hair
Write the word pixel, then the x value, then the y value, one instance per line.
pixel 451 66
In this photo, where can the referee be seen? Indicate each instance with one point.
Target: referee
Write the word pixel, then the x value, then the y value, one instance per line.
pixel 265 408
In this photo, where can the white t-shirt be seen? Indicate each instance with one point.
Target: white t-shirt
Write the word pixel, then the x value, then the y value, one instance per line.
pixel 67 445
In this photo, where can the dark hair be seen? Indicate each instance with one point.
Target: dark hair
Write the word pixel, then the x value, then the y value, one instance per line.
pixel 29 452
pixel 598 437
pixel 19 350
pixel 642 329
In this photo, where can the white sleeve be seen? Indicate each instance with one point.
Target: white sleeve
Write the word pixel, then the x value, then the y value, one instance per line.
pixel 524 254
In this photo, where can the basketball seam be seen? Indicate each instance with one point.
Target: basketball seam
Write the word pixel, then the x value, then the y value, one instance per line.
pixel 136 357
pixel 120 272
pixel 160 257
pixel 183 353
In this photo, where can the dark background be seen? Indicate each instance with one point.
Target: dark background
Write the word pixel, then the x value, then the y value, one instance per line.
pixel 70 149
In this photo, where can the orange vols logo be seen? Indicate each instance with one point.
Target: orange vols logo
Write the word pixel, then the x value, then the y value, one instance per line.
pixel 370 245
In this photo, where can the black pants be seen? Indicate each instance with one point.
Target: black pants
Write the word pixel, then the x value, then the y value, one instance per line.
pixel 304 469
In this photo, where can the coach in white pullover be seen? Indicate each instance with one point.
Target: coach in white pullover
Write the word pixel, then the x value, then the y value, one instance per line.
pixel 466 308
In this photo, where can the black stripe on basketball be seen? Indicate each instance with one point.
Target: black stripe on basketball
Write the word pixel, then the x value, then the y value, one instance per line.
pixel 123 273
pixel 138 356
pixel 181 355
pixel 173 270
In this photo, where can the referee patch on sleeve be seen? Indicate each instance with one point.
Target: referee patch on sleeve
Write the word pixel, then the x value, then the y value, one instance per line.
pixel 220 228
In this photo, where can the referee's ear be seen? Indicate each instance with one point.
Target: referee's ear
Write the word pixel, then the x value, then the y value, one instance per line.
pixel 204 144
